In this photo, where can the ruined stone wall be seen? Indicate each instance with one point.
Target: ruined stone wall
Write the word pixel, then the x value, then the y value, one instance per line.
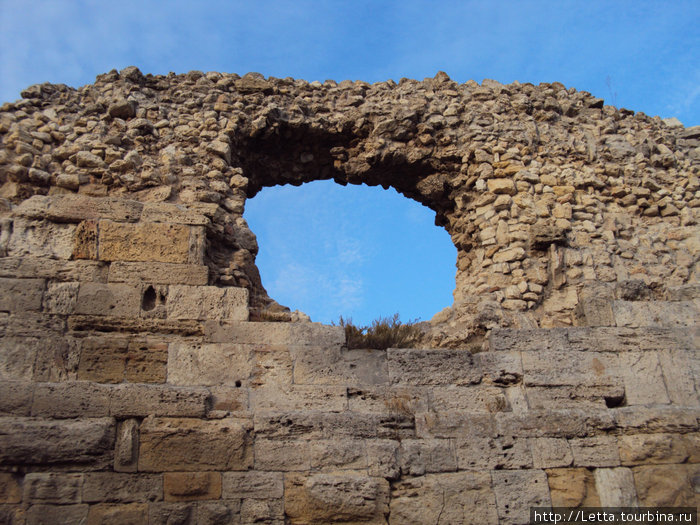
pixel 137 384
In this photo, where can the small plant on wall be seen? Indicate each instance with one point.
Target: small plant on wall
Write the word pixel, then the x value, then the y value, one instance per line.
pixel 382 333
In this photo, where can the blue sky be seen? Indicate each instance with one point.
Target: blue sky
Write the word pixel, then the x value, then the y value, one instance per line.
pixel 637 54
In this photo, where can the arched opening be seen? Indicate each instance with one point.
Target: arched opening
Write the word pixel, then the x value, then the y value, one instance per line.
pixel 354 251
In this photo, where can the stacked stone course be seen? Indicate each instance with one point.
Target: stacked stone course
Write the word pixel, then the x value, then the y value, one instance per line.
pixel 138 384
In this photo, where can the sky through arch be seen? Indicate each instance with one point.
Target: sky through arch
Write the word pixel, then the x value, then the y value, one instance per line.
pixel 356 251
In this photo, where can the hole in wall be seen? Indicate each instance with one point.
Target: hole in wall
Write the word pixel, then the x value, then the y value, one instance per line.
pixel 355 251
pixel 148 302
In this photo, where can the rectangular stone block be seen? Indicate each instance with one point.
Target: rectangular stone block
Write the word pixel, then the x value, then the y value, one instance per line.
pixel 570 368
pixel 422 456
pixel 92 323
pixel 318 425
pixel 667 485
pixel 518 490
pixel 555 423
pixel 41 239
pixel 643 378
pixel 299 398
pixel 454 425
pixel 255 485
pixel 574 397
pixel 10 489
pixel 493 453
pixel 207 302
pixel 57 270
pixel 671 419
pixel 126 448
pixel 146 361
pixel 403 399
pixel 71 399
pixel 432 367
pixel 191 486
pixel 615 486
pixel 21 295
pixel 554 339
pixel 210 364
pixel 103 359
pixel 117 513
pixel 655 313
pixel 118 300
pixel 300 334
pixel 173 213
pixel 550 452
pixel 460 497
pixel 85 240
pixel 134 400
pixel 572 487
pixel 31 441
pixel 677 369
pixel 50 487
pixel 475 398
pixel 76 208
pixel 17 357
pixel 273 367
pixel 169 243
pixel 599 451
pixel 302 454
pixel 628 339
pixel 57 358
pixel 640 449
pixel 499 368
pixel 180 444
pixel 331 366
pixel 57 514
pixel 158 273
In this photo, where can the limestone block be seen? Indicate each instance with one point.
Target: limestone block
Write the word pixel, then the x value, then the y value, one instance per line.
pixel 16 397
pixel 181 444
pixel 78 207
pixel 85 240
pixel 518 490
pixel 210 364
pixel 146 361
pixel 509 255
pixel 168 243
pixel 123 488
pixel 172 213
pixel 581 397
pixel 299 397
pixel 32 441
pixel 657 419
pixel 50 487
pixel 550 453
pixel 339 497
pixel 499 368
pixel 213 512
pixel 644 382
pixel 667 485
pixel 641 449
pixel 41 239
pixel 135 400
pixel 10 489
pixel 57 514
pixel 103 359
pixel 175 514
pixel 21 295
pixel 129 514
pixel 262 511
pixel 318 425
pixel 546 368
pixel 126 448
pixel 17 357
pixel 393 399
pixel 615 486
pixel 432 367
pixel 382 458
pixel 229 399
pixel 58 270
pixel 572 487
pixel 501 186
pixel 191 486
pixel 468 399
pixel 655 313
pixel 12 514
pixel 454 425
pixel 329 366
pixel 599 451
pixel 207 302
pixel 273 367
pixel 119 300
pixel 677 368
pixel 421 456
pixel 493 453
pixel 252 485
pixel 554 423
pixel 70 399
pixel 300 334
pixel 631 339
pixel 461 497
pixel 158 273
pixel 295 455
pixel 61 298
pixel 503 340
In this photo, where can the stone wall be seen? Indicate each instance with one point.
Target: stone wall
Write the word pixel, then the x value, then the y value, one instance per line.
pixel 138 384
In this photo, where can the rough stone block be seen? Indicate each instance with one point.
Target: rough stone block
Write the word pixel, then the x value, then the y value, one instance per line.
pixel 454 425
pixel 299 455
pixel 103 359
pixel 493 453
pixel 30 441
pixel 191 486
pixel 229 399
pixel 180 444
pixel 667 485
pixel 331 366
pixel 545 368
pixel 130 400
pixel 50 487
pixel 262 511
pixel 468 399
pixel 126 448
pixel 169 243
pixel 255 485
pixel 17 357
pixel 146 361
pixel 462 497
pixel 432 367
pixel 175 514
pixel 210 364
pixel 572 487
pixel 554 423
pixel 504 340
pixel 518 490
pixel 499 368
pixel 129 514
pixel 57 514
pixel 70 399
pixel 273 367
pixel 641 449
pixel 340 497
pixel 299 397
pixel 214 512
pixel 300 334
pixel 16 397
pixel 10 489
pixel 158 273
pixel 421 456
pixel 21 295
pixel 108 487
pixel 599 451
pixel 76 208
pixel 57 270
pixel 85 239
pixel 61 298
pixel 404 399
pixel 119 300
pixel 655 313
pixel 677 368
pixel 207 302
pixel 615 486
pixel 41 239
pixel 573 397
pixel 13 514
pixel 550 453
pixel 57 358
pixel 632 420
pixel 172 213
pixel 644 382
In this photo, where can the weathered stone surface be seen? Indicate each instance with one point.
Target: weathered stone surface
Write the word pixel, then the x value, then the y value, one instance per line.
pixel 342 497
pixel 129 514
pixel 52 488
pixel 158 273
pixel 298 398
pixel 119 300
pixel 437 367
pixel 209 364
pixel 301 454
pixel 207 302
pixel 10 490
pixel 655 314
pixel 463 497
pixel 180 444
pixel 305 334
pixel 518 490
pixel 77 208
pixel 641 449
pixel 166 243
pixel 33 441
pixel 644 382
pixel 57 514
pixel 41 239
pixel 191 486
pixel 70 399
pixel 255 485
pixel 667 485
pixel 599 451
pixel 103 359
pixel 572 487
pixel 615 487
pixel 16 397
pixel 493 453
pixel 36 267
pixel 421 456
pixel 126 448
pixel 143 400
pixel 551 452
pixel 20 295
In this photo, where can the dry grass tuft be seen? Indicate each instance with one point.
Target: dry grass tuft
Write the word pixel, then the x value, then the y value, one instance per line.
pixel 383 333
